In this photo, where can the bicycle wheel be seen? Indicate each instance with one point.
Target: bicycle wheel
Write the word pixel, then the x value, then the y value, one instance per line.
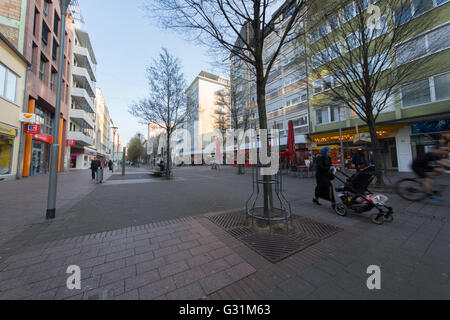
pixel 410 189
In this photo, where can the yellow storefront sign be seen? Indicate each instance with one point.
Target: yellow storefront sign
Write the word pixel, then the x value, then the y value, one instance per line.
pixel 8 131
pixel 350 134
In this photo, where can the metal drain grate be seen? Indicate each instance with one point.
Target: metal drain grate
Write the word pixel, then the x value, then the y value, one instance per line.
pixel 274 247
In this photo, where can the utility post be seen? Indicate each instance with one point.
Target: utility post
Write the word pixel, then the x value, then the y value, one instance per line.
pixel 123 160
pixel 54 150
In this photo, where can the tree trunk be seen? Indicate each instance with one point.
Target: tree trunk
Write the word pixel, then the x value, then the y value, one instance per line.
pixel 261 100
pixel 377 156
pixel 168 156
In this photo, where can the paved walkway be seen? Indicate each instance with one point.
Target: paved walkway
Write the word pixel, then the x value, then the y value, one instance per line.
pixel 133 249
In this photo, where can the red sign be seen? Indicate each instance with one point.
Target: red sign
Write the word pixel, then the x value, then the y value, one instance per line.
pixel 70 142
pixel 32 128
pixel 43 137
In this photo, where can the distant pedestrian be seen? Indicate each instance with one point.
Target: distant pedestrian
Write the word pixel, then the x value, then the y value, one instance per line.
pixel 324 175
pixel 111 166
pixel 94 168
pixel 357 160
pixel 100 171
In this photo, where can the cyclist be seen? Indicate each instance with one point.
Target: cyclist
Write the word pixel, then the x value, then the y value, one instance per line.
pixel 431 162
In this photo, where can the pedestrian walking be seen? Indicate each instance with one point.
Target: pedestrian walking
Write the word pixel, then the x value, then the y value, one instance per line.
pixel 357 160
pixel 324 188
pixel 94 168
pixel 100 172
pixel 111 166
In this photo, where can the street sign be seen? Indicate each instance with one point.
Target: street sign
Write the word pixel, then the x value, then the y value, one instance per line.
pixel 43 137
pixel 32 128
pixel 28 117
pixel 70 142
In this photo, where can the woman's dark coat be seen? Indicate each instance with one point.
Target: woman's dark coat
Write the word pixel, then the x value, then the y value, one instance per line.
pixel 324 188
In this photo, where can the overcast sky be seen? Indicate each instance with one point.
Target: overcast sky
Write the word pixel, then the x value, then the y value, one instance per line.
pixel 125 42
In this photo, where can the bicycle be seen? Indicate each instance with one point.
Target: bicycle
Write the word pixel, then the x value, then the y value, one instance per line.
pixel 412 189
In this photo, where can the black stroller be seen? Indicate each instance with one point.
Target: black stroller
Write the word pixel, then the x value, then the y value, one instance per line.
pixel 354 195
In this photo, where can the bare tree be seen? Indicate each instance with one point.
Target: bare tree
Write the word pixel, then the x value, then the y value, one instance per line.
pixel 238 28
pixel 358 57
pixel 166 105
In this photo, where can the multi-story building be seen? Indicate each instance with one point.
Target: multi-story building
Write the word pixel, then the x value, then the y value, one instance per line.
pixel 417 115
pixel 13 74
pixel 102 136
pixel 82 109
pixel 202 95
pixel 286 89
pixel 33 27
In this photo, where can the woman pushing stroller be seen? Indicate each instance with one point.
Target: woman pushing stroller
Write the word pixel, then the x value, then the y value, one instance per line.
pixel 324 175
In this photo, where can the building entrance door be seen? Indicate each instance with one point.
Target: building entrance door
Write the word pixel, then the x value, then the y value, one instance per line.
pixel 37 158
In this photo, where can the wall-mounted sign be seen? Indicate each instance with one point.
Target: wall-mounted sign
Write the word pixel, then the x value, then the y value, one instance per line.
pixel 43 137
pixel 8 131
pixel 32 128
pixel 70 142
pixel 28 117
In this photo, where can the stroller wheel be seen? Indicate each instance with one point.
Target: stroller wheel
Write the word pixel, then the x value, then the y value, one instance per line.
pixel 340 209
pixel 377 218
pixel 388 218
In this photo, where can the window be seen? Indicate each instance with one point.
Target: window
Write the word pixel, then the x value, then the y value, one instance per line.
pixel 324 29
pixel 8 84
pixel 439 39
pixel 337 113
pixel 45 32
pixel 327 83
pixel 322 115
pixel 349 12
pixel 36 13
pixel 317 87
pixel 56 24
pixel 53 79
pixel 301 121
pixel 317 60
pixel 442 86
pixel 42 68
pixel 334 22
pixel 402 14
pixel 55 50
pixel 422 6
pixel 352 41
pixel 314 35
pixel 416 93
pixel 411 50
pixel 46 5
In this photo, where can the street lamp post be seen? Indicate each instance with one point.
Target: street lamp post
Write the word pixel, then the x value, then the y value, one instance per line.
pixel 54 150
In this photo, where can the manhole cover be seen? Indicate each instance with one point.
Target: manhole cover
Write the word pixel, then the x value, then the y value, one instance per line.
pixel 274 247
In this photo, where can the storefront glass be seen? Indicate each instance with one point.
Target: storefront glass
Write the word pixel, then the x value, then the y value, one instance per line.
pixel 6 152
pixel 40 152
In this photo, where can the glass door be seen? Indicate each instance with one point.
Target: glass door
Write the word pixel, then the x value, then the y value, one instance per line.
pixel 37 158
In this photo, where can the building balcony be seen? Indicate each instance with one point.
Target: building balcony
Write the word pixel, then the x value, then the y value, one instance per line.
pixel 82 118
pixel 81 75
pixel 82 55
pixel 80 138
pixel 82 98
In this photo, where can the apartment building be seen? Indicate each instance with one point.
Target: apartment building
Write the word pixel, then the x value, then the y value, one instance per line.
pixel 82 108
pixel 102 136
pixel 33 28
pixel 418 113
pixel 287 86
pixel 202 95
pixel 13 71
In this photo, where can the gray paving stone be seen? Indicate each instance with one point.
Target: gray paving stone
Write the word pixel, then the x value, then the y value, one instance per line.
pixel 157 289
pixel 173 268
pixel 141 280
pixel 191 292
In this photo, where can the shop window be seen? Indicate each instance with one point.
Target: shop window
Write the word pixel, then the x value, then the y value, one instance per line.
pixel 442 86
pixel 416 93
pixel 6 148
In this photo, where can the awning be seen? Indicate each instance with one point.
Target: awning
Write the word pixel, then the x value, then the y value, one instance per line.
pixel 332 146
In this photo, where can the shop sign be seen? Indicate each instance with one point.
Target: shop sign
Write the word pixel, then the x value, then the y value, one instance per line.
pixel 430 126
pixel 28 117
pixel 43 137
pixel 32 128
pixel 8 131
pixel 70 142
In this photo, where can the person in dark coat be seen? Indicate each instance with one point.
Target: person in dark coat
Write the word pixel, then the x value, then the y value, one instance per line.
pixel 94 167
pixel 111 166
pixel 324 188
pixel 357 160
